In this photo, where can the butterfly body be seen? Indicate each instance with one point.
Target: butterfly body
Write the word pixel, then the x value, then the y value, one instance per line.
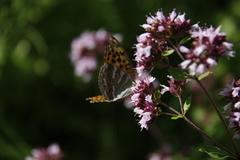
pixel 116 76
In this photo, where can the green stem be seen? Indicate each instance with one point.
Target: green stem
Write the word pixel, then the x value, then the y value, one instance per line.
pixel 169 114
pixel 199 130
pixel 176 49
pixel 180 102
pixel 167 106
pixel 211 139
pixel 215 107
pixel 219 114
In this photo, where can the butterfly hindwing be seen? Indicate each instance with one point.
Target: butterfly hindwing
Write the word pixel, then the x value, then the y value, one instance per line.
pixel 114 83
pixel 99 98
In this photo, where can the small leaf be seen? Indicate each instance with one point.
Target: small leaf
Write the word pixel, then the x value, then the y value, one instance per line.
pixel 177 117
pixel 177 75
pixel 213 151
pixel 184 40
pixel 157 94
pixel 204 75
pixel 167 52
pixel 187 104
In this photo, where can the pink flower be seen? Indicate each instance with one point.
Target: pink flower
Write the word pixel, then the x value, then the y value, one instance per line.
pixel 84 50
pixel 164 27
pixel 143 102
pixel 85 66
pixel 152 43
pixel 175 87
pixel 232 96
pixel 234 122
pixel 209 44
pixel 53 152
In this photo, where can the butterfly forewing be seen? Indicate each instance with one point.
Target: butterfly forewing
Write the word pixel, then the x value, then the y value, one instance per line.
pixel 116 55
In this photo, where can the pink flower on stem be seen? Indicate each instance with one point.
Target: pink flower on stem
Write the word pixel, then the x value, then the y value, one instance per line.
pixel 208 45
pixel 149 54
pixel 173 26
pixel 175 87
pixel 152 43
pixel 142 99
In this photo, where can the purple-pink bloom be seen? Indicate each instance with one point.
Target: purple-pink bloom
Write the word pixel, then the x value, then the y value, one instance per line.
pixel 85 66
pixel 234 122
pixel 52 152
pixel 153 42
pixel 208 45
pixel 148 51
pixel 128 101
pixel 84 50
pixel 148 54
pixel 175 87
pixel 143 102
pixel 162 27
pixel 232 96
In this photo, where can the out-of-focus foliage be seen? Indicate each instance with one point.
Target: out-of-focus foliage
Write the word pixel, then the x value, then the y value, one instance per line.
pixel 42 101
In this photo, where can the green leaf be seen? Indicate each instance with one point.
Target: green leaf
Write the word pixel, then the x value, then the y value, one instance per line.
pixel 177 75
pixel 177 117
pixel 157 94
pixel 204 75
pixel 184 40
pixel 187 104
pixel 213 151
pixel 167 52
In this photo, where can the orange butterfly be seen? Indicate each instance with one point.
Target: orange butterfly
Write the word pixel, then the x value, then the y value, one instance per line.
pixel 116 76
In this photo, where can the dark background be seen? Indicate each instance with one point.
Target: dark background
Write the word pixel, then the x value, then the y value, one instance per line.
pixel 42 101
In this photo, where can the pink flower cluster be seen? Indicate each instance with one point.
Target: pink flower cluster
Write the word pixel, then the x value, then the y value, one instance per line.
pixel 148 54
pixel 143 101
pixel 175 87
pixel 52 152
pixel 158 30
pixel 232 96
pixel 163 34
pixel 208 45
pixel 84 49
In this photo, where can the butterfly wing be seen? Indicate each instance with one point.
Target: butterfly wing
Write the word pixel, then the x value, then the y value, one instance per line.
pixel 116 75
pixel 99 98
pixel 116 55
pixel 114 83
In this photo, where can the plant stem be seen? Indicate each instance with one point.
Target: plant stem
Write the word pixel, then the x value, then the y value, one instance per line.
pixel 176 49
pixel 211 139
pixel 172 109
pixel 169 114
pixel 219 114
pixel 214 106
pixel 198 129
pixel 180 102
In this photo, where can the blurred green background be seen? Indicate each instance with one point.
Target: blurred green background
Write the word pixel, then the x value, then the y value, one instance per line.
pixel 42 101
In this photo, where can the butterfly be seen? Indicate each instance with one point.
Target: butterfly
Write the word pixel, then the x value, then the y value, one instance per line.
pixel 116 76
